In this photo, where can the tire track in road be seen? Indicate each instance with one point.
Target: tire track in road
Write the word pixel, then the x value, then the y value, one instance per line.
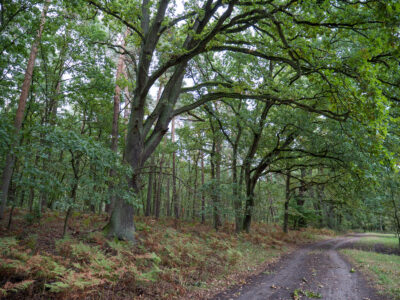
pixel 317 268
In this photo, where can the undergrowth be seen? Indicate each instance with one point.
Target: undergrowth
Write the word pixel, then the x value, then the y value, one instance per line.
pixel 169 260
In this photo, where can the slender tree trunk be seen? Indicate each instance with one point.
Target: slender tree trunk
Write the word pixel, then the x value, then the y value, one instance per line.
pixel 168 201
pixel 149 189
pixel 217 203
pixel 196 169
pixel 159 187
pixel 203 198
pixel 188 190
pixel 155 185
pixel 32 189
pixel 75 162
pixel 237 203
pixel 175 198
pixel 31 198
pixel 286 206
pixel 22 198
pixel 69 211
pixel 215 162
pixel 10 159
pixel 396 214
pixel 10 217
pixel 51 121
pixel 300 200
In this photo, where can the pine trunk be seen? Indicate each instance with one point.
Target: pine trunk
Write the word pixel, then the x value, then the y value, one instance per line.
pixel 114 128
pixel 10 159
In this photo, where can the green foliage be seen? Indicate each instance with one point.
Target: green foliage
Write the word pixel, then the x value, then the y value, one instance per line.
pixel 310 294
pixel 258 91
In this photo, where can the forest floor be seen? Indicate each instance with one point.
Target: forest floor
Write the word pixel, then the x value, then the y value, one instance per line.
pixel 188 260
pixel 171 259
pixel 323 271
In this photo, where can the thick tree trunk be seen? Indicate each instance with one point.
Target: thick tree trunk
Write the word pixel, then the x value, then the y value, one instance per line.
pixel 121 225
pixel 145 134
pixel 251 180
pixel 10 159
pixel 250 186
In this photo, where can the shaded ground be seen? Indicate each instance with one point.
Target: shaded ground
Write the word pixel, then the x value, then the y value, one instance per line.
pixel 316 271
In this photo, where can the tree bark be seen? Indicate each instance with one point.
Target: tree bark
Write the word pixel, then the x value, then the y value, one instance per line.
pixel 286 205
pixel 155 185
pixel 149 189
pixel 215 162
pixel 175 198
pixel 250 186
pixel 196 171
pixel 145 134
pixel 237 203
pixel 114 127
pixel 51 121
pixel 250 179
pixel 159 187
pixel 203 198
pixel 217 202
pixel 168 200
pixel 300 200
pixel 75 163
pixel 10 159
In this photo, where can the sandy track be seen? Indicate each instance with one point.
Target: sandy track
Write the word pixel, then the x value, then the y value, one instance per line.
pixel 318 268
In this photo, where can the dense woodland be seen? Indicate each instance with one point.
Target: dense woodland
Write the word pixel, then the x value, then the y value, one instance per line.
pixel 218 111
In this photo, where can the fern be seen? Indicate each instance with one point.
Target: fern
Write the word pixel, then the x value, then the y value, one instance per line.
pixel 16 287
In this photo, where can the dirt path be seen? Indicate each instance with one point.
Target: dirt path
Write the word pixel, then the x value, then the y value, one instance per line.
pixel 317 269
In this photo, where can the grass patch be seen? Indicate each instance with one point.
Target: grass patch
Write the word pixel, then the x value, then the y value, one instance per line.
pixel 389 241
pixel 383 269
